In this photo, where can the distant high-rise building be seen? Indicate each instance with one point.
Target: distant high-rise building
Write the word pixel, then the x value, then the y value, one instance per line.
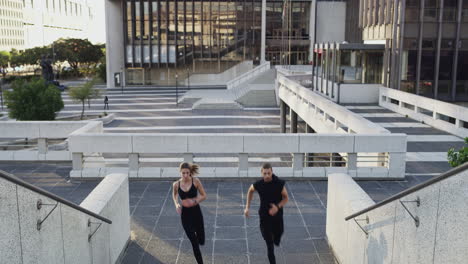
pixel 30 23
pixel 11 24
pixel 426 44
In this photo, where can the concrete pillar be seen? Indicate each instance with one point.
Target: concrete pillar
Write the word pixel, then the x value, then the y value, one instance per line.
pixel 293 116
pixel 115 56
pixel 310 156
pixel 352 161
pixel 312 21
pixel 458 123
pixel 77 161
pixel 298 161
pixel 133 161
pixel 188 157
pixel 283 116
pixel 42 145
pixel 243 161
pixel 263 33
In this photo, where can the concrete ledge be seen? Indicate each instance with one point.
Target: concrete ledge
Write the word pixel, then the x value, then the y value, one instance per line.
pixel 345 196
pixel 111 200
pixel 362 173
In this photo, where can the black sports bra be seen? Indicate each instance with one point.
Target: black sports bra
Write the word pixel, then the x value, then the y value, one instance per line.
pixel 191 193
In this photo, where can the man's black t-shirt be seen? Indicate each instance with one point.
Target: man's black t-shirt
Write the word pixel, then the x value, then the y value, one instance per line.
pixel 269 192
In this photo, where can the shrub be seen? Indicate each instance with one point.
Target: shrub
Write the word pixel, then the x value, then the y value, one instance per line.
pixel 457 158
pixel 84 93
pixel 34 100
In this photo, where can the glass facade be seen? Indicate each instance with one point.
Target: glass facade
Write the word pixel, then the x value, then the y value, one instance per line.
pixel 427 53
pixel 185 37
pixel 166 37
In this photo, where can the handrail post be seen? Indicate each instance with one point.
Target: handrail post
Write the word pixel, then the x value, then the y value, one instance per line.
pixel 352 161
pixel 243 164
pixel 77 161
pixel 133 161
pixel 188 157
pixel 42 145
pixel 298 163
pixel 396 164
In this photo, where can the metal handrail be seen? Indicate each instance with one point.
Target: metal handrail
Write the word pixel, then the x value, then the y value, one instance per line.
pixel 52 196
pixel 413 189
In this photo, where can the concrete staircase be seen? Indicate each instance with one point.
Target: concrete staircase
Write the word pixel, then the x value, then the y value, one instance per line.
pixel 255 92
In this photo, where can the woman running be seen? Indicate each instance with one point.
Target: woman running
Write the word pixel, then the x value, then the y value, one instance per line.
pixel 188 188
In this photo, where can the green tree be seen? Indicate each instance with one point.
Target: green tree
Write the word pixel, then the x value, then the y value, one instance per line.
pixel 84 94
pixel 77 52
pixel 457 158
pixel 4 59
pixel 34 100
pixel 30 56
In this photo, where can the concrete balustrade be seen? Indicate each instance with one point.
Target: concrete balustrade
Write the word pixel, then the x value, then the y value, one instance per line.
pixel 63 236
pixel 232 84
pixel 393 236
pixel 316 111
pixel 242 146
pixel 43 132
pixel 426 110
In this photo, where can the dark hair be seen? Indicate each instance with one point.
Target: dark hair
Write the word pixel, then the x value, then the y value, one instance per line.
pixel 192 167
pixel 266 166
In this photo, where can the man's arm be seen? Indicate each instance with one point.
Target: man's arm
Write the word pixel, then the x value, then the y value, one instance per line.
pixel 275 207
pixel 249 199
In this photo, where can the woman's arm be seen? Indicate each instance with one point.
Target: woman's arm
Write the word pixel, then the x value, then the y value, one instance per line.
pixel 175 192
pixel 202 194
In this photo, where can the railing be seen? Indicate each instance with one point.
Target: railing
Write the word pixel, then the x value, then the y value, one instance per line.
pixel 52 196
pixel 316 110
pixel 248 75
pixel 31 140
pixel 445 116
pixel 418 187
pixel 162 152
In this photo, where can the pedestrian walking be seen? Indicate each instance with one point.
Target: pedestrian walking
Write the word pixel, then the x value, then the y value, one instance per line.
pixel 273 197
pixel 106 103
pixel 191 193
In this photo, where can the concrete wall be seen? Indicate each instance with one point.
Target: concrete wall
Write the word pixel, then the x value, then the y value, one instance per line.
pixel 347 93
pixel 359 93
pixel 393 235
pixel 115 56
pixel 43 131
pixel 39 129
pixel 413 106
pixel 331 18
pixel 221 78
pixel 308 104
pixel 110 199
pixel 63 237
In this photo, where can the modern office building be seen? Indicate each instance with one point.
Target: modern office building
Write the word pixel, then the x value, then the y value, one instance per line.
pixel 418 46
pixel 153 40
pixel 426 44
pixel 11 24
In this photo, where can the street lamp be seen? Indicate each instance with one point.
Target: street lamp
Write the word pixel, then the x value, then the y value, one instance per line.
pixel 188 77
pixel 177 89
pixel 1 93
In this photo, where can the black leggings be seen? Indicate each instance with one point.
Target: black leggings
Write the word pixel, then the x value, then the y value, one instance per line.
pixel 192 221
pixel 272 228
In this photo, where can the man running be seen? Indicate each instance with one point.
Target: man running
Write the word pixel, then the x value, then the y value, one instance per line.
pixel 273 197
